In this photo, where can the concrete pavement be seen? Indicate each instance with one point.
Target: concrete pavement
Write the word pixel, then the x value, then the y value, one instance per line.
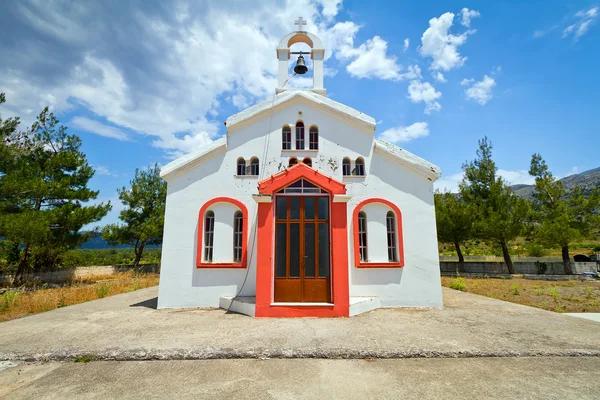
pixel 128 327
pixel 464 378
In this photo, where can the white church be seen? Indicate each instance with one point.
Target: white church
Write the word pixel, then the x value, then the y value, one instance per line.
pixel 298 211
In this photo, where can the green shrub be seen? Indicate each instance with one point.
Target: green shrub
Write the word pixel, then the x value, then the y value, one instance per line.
pixel 515 288
pixel 8 299
pixel 554 293
pixel 103 290
pixel 458 284
pixel 542 267
pixel 535 250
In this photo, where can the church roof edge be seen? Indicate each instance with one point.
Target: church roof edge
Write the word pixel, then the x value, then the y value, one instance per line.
pixel 408 159
pixel 250 114
pixel 194 158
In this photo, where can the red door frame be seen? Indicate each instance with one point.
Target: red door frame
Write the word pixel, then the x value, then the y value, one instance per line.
pixel 339 247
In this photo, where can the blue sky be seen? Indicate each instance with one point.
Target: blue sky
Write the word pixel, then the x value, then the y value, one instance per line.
pixel 147 81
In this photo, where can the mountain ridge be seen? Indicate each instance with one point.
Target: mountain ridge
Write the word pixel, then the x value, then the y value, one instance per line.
pixel 587 180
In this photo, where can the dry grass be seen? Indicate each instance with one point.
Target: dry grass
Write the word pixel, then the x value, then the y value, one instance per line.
pixel 559 296
pixel 17 304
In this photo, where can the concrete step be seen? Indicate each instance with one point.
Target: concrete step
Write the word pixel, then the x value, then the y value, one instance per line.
pixel 359 305
pixel 243 304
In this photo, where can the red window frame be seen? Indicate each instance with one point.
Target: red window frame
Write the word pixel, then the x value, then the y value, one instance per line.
pixel 200 263
pixel 399 241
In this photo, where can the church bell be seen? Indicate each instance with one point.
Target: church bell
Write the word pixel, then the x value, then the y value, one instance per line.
pixel 300 67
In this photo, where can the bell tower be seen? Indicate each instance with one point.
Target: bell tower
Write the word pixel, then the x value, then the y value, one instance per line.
pixel 317 53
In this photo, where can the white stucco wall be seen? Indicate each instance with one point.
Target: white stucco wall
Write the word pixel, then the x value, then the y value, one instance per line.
pixel 183 285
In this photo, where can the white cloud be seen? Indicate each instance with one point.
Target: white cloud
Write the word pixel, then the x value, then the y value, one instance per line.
pixel 481 91
pixel 413 72
pixel 584 19
pixel 467 15
pixel 406 133
pixel 371 60
pixel 98 128
pixel 441 45
pixel 102 170
pixel 449 183
pixel 163 72
pixel 438 76
pixel 517 177
pixel 330 7
pixel 467 81
pixel 406 43
pixel 423 91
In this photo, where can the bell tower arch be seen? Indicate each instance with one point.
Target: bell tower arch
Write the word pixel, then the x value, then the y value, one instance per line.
pixel 317 54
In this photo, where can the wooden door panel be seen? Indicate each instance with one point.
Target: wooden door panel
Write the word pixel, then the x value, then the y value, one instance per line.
pixel 302 249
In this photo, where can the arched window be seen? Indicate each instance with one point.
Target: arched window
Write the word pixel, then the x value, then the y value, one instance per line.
pixel 313 138
pixel 346 167
pixel 307 161
pixel 359 167
pixel 238 227
pixel 254 166
pixel 293 161
pixel 362 236
pixel 241 166
pixel 391 237
pixel 286 138
pixel 299 135
pixel 209 235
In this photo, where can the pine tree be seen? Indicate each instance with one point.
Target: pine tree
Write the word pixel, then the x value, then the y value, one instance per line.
pixel 43 186
pixel 454 219
pixel 561 218
pixel 144 214
pixel 501 216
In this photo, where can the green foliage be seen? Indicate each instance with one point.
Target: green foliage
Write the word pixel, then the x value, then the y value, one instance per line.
pixel 103 290
pixel 8 299
pixel 458 284
pixel 542 267
pixel 500 215
pixel 589 292
pixel 536 250
pixel 515 288
pixel 144 212
pixel 561 219
pixel 554 293
pixel 43 189
pixel 84 358
pixel 454 219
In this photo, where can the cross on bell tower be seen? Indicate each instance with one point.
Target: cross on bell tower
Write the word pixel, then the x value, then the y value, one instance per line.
pixel 300 22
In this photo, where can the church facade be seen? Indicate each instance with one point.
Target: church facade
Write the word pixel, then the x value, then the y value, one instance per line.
pixel 298 211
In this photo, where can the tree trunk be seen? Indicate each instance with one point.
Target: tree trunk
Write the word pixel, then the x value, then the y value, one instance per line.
pixel 138 255
pixel 461 258
pixel 567 260
pixel 22 267
pixel 507 259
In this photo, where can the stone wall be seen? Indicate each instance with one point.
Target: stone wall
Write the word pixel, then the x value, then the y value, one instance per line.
pixel 68 274
pixel 552 268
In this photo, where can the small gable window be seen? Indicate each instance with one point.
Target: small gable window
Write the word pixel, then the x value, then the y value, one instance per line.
pixel 209 235
pixel 286 138
pixel 313 140
pixel 293 161
pixel 359 167
pixel 299 135
pixel 241 166
pixel 307 161
pixel 362 235
pixel 238 226
pixel 391 237
pixel 346 167
pixel 254 166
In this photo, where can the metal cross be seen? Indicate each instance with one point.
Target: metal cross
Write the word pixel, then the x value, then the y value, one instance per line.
pixel 300 22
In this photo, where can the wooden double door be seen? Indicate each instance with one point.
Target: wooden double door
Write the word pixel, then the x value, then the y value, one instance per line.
pixel 302 249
